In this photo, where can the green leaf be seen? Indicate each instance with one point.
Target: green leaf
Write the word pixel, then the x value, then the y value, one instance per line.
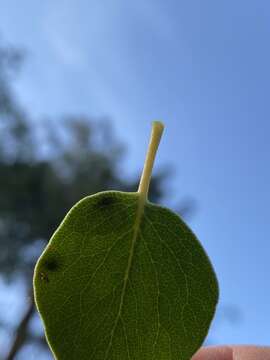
pixel 123 278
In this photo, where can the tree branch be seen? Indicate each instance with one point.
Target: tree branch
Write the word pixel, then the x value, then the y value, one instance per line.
pixel 21 333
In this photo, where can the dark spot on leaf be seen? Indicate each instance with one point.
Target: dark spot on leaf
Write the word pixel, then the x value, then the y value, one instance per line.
pixel 51 264
pixel 44 277
pixel 105 201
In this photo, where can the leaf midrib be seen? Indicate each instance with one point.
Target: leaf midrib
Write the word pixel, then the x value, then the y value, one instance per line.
pixel 139 214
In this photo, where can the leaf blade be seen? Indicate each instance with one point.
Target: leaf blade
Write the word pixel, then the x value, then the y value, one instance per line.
pixel 121 313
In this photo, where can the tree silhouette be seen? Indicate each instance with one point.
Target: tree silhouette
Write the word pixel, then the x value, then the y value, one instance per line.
pixel 43 172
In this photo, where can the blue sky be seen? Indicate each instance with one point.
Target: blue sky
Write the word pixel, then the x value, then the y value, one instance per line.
pixel 203 68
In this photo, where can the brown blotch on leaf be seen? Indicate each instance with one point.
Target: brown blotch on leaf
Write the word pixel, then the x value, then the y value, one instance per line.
pixel 105 200
pixel 51 264
pixel 44 277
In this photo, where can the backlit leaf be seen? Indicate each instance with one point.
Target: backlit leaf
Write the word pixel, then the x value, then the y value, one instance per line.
pixel 123 278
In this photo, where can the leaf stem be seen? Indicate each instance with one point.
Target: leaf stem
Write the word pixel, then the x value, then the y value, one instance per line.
pixel 157 130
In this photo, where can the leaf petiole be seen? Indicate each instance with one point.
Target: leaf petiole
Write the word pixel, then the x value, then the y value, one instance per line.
pixel 157 130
